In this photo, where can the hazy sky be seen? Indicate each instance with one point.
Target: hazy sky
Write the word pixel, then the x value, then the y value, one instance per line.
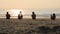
pixel 7 4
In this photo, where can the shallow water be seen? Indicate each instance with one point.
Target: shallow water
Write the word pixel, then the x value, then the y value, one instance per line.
pixel 42 13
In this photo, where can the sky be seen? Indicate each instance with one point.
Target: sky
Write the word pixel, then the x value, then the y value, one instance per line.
pixel 25 4
pixel 41 7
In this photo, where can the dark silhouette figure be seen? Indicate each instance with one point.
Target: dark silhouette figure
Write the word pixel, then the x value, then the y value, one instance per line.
pixel 33 15
pixel 53 17
pixel 7 16
pixel 20 16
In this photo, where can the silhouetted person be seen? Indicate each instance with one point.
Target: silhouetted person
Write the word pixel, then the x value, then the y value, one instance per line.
pixel 33 15
pixel 53 16
pixel 7 16
pixel 20 16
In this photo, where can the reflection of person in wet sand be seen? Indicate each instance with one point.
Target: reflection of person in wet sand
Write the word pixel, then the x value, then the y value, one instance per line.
pixel 7 16
pixel 33 15
pixel 20 16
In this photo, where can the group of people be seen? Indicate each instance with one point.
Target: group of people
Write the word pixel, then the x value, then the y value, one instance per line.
pixel 20 16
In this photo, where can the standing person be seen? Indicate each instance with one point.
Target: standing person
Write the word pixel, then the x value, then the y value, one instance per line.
pixel 20 16
pixel 7 15
pixel 54 16
pixel 33 15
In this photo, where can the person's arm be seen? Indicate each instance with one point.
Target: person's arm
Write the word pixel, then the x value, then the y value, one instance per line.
pixel 35 15
pixel 6 15
pixel 9 15
pixel 21 15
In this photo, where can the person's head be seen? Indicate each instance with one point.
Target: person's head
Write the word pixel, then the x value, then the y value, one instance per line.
pixel 20 12
pixel 54 14
pixel 7 13
pixel 33 12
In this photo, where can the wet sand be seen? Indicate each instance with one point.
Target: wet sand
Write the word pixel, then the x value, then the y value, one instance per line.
pixel 16 26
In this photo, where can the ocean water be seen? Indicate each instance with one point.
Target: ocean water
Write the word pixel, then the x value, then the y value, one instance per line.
pixel 40 13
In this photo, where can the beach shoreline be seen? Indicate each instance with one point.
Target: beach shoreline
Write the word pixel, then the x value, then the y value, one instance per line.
pixel 15 25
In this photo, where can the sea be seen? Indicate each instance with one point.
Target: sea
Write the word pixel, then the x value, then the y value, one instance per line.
pixel 40 13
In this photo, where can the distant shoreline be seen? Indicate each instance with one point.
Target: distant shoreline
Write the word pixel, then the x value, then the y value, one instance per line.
pixel 31 18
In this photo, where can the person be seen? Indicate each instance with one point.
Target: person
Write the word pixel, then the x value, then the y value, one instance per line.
pixel 7 15
pixel 20 16
pixel 53 16
pixel 33 15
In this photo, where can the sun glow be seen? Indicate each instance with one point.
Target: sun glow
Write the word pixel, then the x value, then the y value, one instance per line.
pixel 16 12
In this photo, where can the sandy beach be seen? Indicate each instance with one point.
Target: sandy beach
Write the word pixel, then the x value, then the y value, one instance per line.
pixel 16 26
